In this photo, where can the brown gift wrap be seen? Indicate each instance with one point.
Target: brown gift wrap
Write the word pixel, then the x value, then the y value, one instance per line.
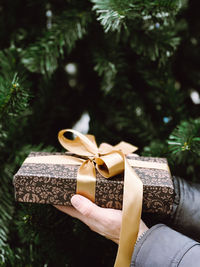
pixel 56 184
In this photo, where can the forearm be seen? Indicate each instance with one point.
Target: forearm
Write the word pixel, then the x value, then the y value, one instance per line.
pixel 186 208
pixel 162 246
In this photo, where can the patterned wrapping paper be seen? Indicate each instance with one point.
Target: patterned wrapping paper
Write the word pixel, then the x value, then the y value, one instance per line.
pixel 56 184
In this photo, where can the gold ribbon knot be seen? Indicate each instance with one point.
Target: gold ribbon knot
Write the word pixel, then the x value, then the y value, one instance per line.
pixel 110 161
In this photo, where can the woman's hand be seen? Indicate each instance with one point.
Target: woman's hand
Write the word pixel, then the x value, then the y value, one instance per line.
pixel 106 222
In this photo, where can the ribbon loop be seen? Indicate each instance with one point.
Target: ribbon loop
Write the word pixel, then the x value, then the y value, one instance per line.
pixel 125 147
pixel 81 145
pixel 110 164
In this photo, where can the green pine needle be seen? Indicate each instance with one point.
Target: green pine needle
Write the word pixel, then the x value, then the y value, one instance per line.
pixel 113 14
pixel 13 97
pixel 42 56
pixel 185 137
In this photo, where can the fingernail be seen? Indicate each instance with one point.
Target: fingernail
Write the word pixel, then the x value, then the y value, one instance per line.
pixel 76 200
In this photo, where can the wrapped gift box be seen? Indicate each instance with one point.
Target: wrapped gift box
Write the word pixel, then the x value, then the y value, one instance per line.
pixel 56 184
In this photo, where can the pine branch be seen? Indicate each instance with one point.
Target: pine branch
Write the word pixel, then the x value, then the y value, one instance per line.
pixel 156 45
pixel 6 211
pixel 13 100
pixel 185 137
pixel 8 63
pixel 108 65
pixel 13 97
pixel 43 55
pixel 149 28
pixel 8 256
pixel 113 14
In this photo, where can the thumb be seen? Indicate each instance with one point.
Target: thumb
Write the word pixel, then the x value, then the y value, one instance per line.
pixel 85 206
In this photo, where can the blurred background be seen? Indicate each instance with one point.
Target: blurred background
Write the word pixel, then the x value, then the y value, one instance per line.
pixel 119 69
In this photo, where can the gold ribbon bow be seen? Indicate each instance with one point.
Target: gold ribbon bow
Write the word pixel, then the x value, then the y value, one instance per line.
pixel 110 161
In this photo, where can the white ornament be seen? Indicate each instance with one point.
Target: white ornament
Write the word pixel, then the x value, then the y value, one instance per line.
pixel 195 97
pixel 71 68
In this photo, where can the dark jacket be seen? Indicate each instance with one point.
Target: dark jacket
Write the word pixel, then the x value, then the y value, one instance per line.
pixel 162 246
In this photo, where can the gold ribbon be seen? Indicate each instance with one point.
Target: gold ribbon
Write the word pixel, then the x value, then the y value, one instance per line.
pixel 110 161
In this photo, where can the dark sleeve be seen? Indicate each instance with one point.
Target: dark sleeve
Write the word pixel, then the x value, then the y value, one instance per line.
pixel 163 247
pixel 186 208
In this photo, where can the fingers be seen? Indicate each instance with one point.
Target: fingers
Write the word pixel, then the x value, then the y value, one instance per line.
pixel 82 209
pixel 106 222
pixel 86 207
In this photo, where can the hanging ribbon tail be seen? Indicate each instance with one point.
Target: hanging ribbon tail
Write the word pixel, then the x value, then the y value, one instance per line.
pixel 86 180
pixel 131 214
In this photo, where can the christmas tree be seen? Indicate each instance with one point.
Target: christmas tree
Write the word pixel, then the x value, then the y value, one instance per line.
pixel 129 68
